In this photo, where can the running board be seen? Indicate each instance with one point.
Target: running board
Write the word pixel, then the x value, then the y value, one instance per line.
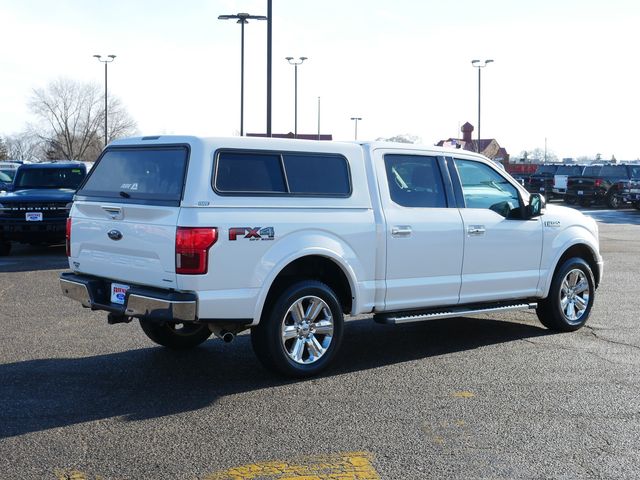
pixel 404 317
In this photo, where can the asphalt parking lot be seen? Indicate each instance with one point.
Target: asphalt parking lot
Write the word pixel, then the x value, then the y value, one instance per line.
pixel 496 396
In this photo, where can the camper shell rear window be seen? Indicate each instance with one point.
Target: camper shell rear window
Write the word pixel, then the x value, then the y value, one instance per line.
pixel 152 175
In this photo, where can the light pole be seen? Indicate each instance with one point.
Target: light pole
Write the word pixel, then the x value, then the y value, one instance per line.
pixel 295 64
pixel 242 18
pixel 356 120
pixel 479 65
pixel 109 59
pixel 269 57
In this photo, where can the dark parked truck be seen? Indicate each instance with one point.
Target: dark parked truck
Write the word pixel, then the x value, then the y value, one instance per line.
pixel 542 181
pixel 35 211
pixel 600 184
pixel 630 192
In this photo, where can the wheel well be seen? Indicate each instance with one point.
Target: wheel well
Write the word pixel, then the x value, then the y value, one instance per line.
pixel 584 252
pixel 313 268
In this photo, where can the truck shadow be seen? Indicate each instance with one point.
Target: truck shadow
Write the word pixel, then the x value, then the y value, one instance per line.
pixel 30 258
pixel 154 382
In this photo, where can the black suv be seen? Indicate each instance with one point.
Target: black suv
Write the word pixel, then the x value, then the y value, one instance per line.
pixel 35 211
pixel 600 184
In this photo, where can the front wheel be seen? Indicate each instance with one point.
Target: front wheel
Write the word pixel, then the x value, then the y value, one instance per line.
pixel 302 331
pixel 177 336
pixel 570 299
pixel 613 201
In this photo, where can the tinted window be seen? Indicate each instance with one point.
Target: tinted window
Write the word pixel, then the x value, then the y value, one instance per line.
pixel 415 181
pixel 46 177
pixel 592 171
pixel 317 174
pixel 249 172
pixel 547 169
pixel 614 171
pixel 483 187
pixel 569 170
pixel 139 173
pixel 282 173
pixel 4 177
pixel 635 171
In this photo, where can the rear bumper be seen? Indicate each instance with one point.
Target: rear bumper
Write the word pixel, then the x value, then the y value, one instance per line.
pixel 140 302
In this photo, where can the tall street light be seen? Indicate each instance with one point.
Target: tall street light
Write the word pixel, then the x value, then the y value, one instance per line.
pixel 242 18
pixel 109 59
pixel 295 64
pixel 479 65
pixel 356 120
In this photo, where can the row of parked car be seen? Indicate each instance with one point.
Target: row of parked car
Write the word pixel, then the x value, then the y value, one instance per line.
pixel 35 200
pixel 613 185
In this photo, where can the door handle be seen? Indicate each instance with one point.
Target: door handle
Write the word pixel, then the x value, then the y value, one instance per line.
pixel 115 213
pixel 401 231
pixel 475 230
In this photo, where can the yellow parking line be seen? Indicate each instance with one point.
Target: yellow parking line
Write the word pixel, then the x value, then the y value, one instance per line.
pixel 343 466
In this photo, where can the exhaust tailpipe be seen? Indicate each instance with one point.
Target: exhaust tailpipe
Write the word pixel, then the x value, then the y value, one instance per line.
pixel 227 337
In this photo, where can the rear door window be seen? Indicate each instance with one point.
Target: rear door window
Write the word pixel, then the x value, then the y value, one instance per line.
pixel 139 174
pixel 415 181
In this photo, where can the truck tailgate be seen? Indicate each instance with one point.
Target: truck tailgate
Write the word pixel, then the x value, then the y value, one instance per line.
pixel 128 243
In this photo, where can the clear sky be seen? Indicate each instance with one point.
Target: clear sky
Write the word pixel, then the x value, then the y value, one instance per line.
pixel 564 70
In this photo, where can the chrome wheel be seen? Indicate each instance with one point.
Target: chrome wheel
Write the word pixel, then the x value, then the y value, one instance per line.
pixel 574 295
pixel 307 330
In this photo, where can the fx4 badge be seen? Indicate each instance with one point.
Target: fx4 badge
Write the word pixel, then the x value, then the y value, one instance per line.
pixel 253 234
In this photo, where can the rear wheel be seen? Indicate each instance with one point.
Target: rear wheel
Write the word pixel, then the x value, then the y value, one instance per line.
pixel 5 249
pixel 177 336
pixel 301 333
pixel 570 299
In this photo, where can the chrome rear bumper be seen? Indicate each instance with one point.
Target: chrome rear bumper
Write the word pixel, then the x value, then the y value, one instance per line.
pixel 140 302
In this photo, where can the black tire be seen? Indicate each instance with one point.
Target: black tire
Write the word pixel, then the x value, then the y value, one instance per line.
pixel 550 311
pixel 277 353
pixel 570 200
pixel 177 336
pixel 5 249
pixel 613 201
pixel 636 205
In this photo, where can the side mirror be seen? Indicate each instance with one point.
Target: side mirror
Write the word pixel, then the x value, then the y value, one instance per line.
pixel 536 206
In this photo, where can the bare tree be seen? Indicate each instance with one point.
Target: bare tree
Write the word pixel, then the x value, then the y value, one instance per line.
pixel 71 114
pixel 25 147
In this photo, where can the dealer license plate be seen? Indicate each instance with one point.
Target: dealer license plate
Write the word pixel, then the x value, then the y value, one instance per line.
pixel 33 216
pixel 542 189
pixel 580 192
pixel 118 293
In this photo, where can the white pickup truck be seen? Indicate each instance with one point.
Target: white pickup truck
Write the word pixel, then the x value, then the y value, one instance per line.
pixel 286 237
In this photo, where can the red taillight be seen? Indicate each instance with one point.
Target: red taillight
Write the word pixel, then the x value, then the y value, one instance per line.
pixel 192 249
pixel 598 182
pixel 67 237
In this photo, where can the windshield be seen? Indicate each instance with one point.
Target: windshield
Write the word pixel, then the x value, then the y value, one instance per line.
pixel 7 173
pixel 59 177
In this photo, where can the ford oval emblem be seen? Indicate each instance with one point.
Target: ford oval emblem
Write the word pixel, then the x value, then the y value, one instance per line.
pixel 114 234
